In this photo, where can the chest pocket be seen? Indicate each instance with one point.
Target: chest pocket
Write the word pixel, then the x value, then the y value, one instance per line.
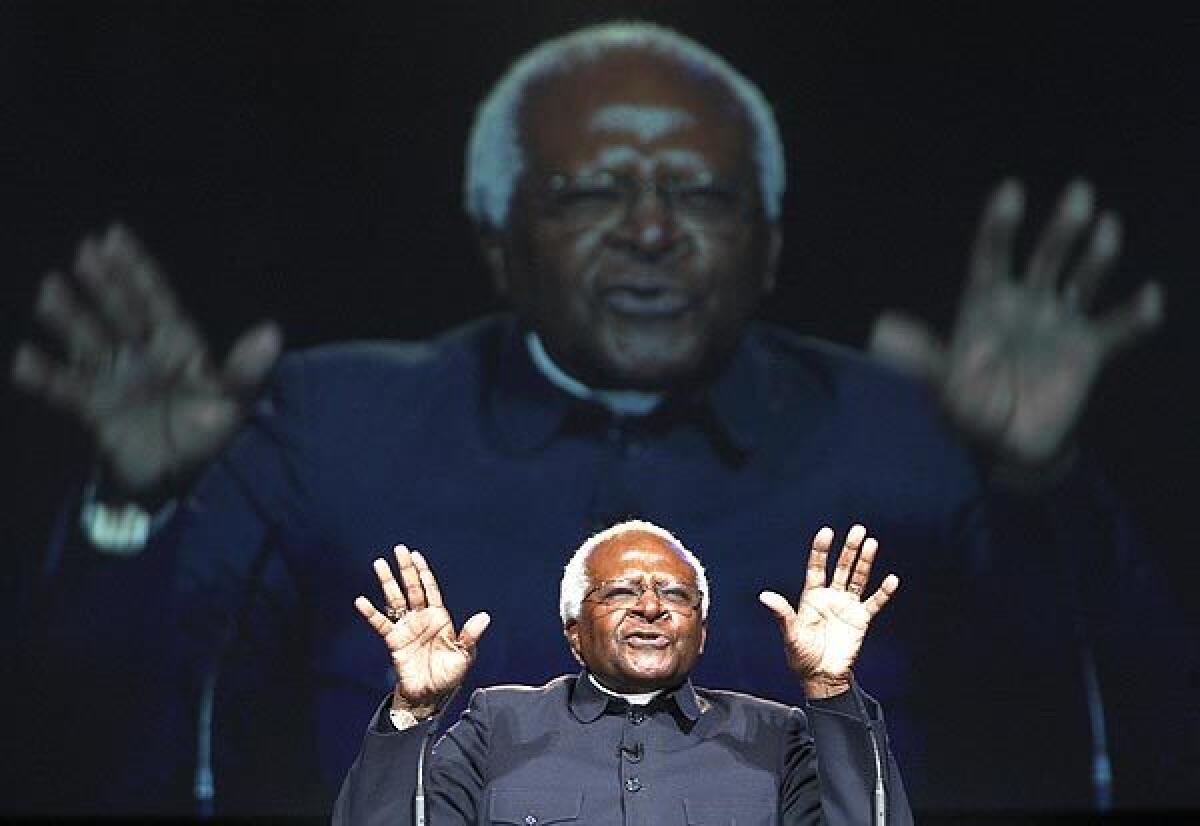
pixel 728 812
pixel 533 807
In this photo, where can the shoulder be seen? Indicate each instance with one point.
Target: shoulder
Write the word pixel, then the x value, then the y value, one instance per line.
pixel 842 370
pixel 517 713
pixel 748 712
pixel 396 361
pixel 555 692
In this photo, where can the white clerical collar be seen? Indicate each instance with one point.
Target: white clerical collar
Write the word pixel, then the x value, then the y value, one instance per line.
pixel 621 402
pixel 632 699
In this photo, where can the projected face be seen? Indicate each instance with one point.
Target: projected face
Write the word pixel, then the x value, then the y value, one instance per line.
pixel 637 247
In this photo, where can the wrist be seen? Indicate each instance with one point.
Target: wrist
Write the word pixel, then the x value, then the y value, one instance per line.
pixel 824 686
pixel 419 712
pixel 1033 477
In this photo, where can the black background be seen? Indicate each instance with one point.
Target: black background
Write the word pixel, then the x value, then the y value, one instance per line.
pixel 302 161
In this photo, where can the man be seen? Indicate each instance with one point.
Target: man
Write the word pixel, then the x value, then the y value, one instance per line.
pixel 627 185
pixel 630 740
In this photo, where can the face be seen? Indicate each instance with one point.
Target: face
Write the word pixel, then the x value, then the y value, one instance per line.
pixel 651 288
pixel 648 646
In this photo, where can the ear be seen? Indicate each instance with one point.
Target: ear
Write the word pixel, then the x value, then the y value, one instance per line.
pixel 703 635
pixel 771 260
pixel 491 247
pixel 571 630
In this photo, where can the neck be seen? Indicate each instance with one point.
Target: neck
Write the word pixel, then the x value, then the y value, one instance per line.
pixel 620 402
pixel 639 698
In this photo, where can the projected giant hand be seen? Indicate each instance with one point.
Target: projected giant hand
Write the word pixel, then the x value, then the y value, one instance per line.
pixel 1026 346
pixel 133 369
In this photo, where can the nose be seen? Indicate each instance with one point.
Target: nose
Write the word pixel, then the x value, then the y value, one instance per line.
pixel 649 227
pixel 649 606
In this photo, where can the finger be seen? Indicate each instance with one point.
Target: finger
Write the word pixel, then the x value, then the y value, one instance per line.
pixel 413 590
pixel 175 348
pixel 376 620
pixel 472 630
pixel 991 252
pixel 392 594
pixel 252 357
pixel 143 278
pixel 102 270
pixel 174 342
pixel 1126 324
pixel 815 574
pixel 35 372
pixel 889 586
pixel 779 606
pixel 908 344
pixel 81 333
pixel 849 552
pixel 862 568
pixel 1072 215
pixel 433 594
pixel 1104 245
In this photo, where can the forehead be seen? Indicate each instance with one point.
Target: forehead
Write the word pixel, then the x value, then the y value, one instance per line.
pixel 629 104
pixel 637 554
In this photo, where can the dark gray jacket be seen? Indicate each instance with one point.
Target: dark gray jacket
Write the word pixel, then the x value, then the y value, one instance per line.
pixel 566 753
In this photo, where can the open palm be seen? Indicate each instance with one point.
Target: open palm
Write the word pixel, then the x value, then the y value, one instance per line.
pixel 824 634
pixel 1026 347
pixel 429 658
pixel 135 371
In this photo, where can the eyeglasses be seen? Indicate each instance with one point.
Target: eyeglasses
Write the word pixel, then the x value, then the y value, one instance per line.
pixel 617 594
pixel 605 196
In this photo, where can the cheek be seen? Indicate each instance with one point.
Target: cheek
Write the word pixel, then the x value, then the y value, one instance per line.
pixel 560 271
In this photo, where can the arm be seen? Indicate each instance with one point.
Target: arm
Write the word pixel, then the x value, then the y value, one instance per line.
pixel 139 635
pixel 822 637
pixel 430 661
pixel 1026 348
pixel 137 373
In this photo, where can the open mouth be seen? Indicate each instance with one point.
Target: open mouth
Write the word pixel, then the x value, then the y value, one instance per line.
pixel 646 301
pixel 647 639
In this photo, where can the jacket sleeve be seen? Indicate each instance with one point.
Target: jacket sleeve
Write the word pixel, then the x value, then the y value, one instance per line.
pixel 141 634
pixel 852 754
pixel 380 787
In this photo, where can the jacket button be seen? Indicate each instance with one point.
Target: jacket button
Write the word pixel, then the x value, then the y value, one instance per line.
pixel 530 820
pixel 637 716
pixel 633 784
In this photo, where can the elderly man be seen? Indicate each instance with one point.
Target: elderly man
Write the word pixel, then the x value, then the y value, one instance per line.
pixel 626 184
pixel 630 740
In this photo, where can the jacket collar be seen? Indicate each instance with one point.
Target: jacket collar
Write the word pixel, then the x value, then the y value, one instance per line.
pixel 527 409
pixel 588 703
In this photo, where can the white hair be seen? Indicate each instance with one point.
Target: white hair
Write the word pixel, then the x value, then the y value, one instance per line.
pixel 576 582
pixel 495 158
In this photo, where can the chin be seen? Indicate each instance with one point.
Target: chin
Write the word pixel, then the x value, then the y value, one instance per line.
pixel 649 368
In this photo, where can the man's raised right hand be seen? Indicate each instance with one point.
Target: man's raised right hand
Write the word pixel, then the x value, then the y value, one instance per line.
pixel 429 658
pixel 135 371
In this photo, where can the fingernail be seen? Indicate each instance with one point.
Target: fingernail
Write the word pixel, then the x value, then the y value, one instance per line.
pixel 1153 304
pixel 1107 235
pixel 1079 200
pixel 1009 199
pixel 49 294
pixel 22 364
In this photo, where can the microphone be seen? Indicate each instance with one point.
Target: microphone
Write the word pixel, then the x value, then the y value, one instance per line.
pixel 633 753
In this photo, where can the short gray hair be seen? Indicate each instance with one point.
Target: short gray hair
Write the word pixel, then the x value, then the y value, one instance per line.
pixel 495 158
pixel 576 582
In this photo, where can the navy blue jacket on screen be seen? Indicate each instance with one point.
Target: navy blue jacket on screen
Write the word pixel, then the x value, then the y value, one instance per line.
pixel 1006 662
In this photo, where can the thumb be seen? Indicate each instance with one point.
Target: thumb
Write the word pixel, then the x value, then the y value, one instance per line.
pixel 253 355
pixel 779 606
pixel 906 343
pixel 473 629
